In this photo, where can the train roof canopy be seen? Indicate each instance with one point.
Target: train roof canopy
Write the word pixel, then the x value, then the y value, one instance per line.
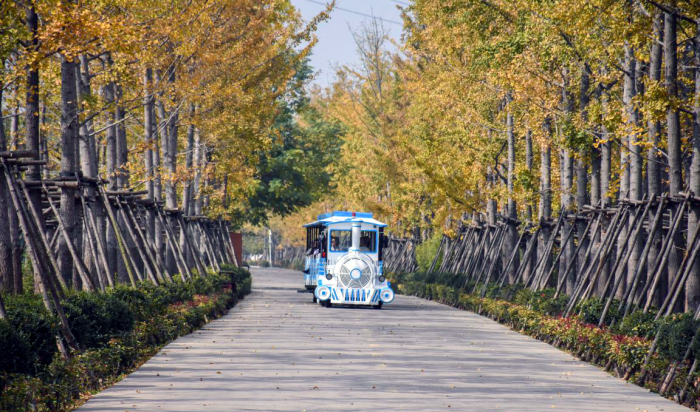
pixel 340 216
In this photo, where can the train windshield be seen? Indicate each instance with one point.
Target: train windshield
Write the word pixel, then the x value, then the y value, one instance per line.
pixel 341 241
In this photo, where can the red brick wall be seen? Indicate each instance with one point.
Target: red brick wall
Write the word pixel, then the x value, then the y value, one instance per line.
pixel 237 240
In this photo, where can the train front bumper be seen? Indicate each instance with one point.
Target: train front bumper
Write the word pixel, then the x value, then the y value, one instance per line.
pixel 350 296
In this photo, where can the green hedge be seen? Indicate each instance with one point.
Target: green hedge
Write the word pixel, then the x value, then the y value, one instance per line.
pixel 120 329
pixel 94 318
pixel 297 264
pixel 37 328
pixel 425 252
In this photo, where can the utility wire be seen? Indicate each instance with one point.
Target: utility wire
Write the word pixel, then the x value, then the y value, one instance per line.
pixel 403 3
pixel 358 13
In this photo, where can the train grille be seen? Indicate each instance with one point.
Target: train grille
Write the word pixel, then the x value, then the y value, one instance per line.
pixel 345 273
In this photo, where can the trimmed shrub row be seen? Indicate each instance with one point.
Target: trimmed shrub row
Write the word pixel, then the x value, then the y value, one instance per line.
pixel 119 329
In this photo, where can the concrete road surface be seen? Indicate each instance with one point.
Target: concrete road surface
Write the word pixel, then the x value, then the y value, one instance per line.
pixel 276 351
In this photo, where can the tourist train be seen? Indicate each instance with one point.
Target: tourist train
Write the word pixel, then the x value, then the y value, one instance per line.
pixel 344 260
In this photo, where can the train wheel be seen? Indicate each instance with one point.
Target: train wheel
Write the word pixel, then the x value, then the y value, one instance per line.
pixel 377 306
pixel 329 303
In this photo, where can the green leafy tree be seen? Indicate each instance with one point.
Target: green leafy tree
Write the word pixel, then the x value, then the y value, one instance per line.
pixel 294 171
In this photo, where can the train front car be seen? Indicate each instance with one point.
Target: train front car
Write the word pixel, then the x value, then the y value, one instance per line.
pixel 348 267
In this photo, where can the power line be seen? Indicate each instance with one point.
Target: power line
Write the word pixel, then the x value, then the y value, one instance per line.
pixel 358 13
pixel 403 3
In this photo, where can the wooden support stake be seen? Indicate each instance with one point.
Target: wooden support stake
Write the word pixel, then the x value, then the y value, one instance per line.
pixel 175 247
pixel 474 240
pixel 124 251
pixel 663 258
pixel 437 255
pixel 101 248
pixel 529 249
pixel 691 253
pixel 605 255
pixel 619 275
pixel 535 279
pixel 572 263
pixel 48 293
pixel 150 250
pixel 622 211
pixel 492 251
pixel 493 258
pixel 630 295
pixel 229 244
pixel 210 251
pixel 562 247
pixel 18 154
pixel 94 252
pixel 145 258
pixel 77 260
pixel 197 261
pixel 46 254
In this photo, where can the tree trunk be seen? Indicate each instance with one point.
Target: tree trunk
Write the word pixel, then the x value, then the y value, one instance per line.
pixel 597 193
pixel 195 199
pixel 635 161
pixel 168 175
pixel 692 292
pixel 32 111
pixel 532 260
pixel 672 116
pixel 7 274
pixel 606 155
pixel 122 172
pixel 582 179
pixel 149 125
pixel 13 218
pixel 189 164
pixel 88 162
pixel 567 185
pixel 158 195
pixel 122 155
pixel 113 257
pixel 512 231
pixel 187 191
pixel 654 156
pixel 624 188
pixel 545 212
pixel 171 166
pixel 674 138
pixel 529 157
pixel 69 165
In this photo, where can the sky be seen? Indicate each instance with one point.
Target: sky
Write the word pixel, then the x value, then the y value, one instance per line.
pixel 335 43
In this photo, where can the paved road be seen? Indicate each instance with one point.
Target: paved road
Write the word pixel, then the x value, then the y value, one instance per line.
pixel 277 351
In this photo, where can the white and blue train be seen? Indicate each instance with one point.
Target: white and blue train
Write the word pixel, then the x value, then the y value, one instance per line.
pixel 344 260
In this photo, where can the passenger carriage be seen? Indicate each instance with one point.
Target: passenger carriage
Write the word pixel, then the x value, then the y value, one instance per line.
pixel 344 260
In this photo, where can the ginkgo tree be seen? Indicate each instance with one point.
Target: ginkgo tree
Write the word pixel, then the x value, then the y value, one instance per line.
pixel 521 109
pixel 178 99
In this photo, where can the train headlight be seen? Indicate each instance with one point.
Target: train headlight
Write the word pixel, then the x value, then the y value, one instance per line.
pixel 329 276
pixel 382 279
pixel 386 295
pixel 322 293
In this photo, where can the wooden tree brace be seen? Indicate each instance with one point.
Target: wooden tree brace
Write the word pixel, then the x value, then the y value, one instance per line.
pixel 77 260
pixel 18 154
pixel 125 254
